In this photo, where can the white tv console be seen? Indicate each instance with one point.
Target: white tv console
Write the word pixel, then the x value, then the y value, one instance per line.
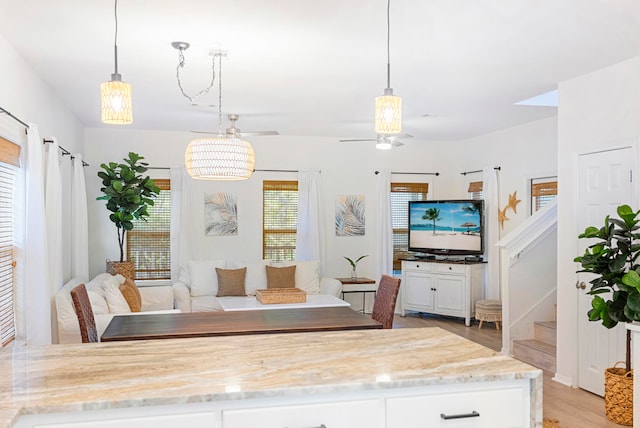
pixel 443 287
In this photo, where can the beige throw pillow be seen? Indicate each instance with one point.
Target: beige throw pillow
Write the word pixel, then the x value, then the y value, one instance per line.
pixel 231 282
pixel 284 277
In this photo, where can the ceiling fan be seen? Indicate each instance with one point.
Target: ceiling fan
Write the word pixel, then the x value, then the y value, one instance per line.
pixel 383 141
pixel 234 131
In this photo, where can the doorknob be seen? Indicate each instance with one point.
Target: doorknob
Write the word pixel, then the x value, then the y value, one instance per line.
pixel 581 284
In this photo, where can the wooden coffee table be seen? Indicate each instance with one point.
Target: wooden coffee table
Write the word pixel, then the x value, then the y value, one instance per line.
pixel 201 324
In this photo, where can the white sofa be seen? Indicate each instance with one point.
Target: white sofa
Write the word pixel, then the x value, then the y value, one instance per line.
pixel 106 303
pixel 197 285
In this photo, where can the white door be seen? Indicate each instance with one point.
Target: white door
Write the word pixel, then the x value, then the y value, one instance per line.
pixel 605 182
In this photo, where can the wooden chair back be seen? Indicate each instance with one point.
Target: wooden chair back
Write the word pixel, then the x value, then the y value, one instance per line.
pixel 385 303
pixel 82 306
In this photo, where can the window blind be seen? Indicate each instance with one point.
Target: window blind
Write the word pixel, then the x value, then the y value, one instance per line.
pixel 279 219
pixel 401 194
pixel 542 192
pixel 148 243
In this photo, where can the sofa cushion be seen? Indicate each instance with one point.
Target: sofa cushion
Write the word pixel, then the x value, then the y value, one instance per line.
pixel 115 300
pixel 307 275
pixel 131 294
pixel 203 278
pixel 256 277
pixel 281 277
pixel 231 282
pixel 98 302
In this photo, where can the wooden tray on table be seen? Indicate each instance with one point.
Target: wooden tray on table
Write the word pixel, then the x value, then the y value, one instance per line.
pixel 281 295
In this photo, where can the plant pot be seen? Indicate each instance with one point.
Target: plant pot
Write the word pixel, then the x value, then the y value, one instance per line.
pixel 618 395
pixel 126 269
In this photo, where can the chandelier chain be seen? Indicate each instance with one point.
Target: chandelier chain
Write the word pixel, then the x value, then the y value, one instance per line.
pixel 181 64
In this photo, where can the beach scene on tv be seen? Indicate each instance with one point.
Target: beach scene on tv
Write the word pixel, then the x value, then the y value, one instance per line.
pixel 446 225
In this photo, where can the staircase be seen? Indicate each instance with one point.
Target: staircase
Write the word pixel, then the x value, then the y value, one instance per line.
pixel 540 352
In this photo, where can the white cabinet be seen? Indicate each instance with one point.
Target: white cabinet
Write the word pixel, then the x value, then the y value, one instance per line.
pixel 346 414
pixel 503 407
pixel 444 288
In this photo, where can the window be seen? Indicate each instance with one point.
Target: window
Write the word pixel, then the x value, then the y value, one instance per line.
pixel 401 194
pixel 9 162
pixel 148 244
pixel 475 189
pixel 543 191
pixel 279 219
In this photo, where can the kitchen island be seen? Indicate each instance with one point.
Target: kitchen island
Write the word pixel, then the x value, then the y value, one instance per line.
pixel 368 378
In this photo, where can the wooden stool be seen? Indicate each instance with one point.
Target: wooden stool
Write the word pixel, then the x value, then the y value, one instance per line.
pixel 490 311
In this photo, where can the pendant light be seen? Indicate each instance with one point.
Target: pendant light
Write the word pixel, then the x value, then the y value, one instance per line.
pixel 221 157
pixel 115 95
pixel 388 108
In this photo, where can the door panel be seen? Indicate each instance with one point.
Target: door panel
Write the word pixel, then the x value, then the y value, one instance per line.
pixel 604 184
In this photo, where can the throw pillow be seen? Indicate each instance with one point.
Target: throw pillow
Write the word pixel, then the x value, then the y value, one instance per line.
pixel 115 300
pixel 307 275
pixel 256 277
pixel 130 291
pixel 231 282
pixel 204 281
pixel 284 277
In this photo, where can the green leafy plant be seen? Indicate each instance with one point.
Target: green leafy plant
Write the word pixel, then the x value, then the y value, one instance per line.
pixel 354 263
pixel 614 261
pixel 128 193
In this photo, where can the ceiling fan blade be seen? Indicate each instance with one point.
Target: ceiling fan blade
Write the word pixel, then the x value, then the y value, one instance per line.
pixel 398 137
pixel 354 140
pixel 206 132
pixel 258 133
pixel 397 143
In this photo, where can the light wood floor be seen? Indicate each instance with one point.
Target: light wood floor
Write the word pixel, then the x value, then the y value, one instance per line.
pixel 572 407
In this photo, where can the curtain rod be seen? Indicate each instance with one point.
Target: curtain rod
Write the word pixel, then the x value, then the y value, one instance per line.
pixel 64 151
pixel 413 173
pixel 8 113
pixel 497 168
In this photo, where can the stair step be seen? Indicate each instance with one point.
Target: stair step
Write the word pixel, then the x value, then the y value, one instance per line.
pixel 545 331
pixel 537 353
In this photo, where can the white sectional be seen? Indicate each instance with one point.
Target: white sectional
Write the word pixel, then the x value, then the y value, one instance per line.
pixel 106 301
pixel 197 285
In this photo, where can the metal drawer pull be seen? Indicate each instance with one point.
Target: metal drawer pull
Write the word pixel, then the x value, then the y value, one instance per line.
pixel 473 414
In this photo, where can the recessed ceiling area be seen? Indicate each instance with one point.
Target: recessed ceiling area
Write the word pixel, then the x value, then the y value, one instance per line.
pixel 314 68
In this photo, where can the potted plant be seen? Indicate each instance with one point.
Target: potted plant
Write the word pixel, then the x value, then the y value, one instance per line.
pixel 128 194
pixel 354 265
pixel 613 259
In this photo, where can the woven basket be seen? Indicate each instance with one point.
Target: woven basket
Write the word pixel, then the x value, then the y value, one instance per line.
pixel 618 395
pixel 126 269
pixel 281 295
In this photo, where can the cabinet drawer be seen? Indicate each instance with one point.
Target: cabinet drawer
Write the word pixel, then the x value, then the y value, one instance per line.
pixel 347 414
pixel 453 268
pixel 501 408
pixel 417 266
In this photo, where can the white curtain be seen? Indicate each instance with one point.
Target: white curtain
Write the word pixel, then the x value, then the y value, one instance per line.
pixel 34 309
pixel 310 243
pixel 492 233
pixel 53 207
pixel 187 235
pixel 79 222
pixel 383 229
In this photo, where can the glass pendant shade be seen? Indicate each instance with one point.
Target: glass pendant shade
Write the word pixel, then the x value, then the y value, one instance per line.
pixel 388 114
pixel 219 158
pixel 116 103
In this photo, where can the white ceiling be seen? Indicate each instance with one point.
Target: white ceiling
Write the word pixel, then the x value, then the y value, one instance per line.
pixel 309 67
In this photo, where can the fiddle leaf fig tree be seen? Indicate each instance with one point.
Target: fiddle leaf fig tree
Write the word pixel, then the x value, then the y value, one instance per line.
pixel 128 193
pixel 614 261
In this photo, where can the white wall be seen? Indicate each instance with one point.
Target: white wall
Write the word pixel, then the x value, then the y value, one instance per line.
pixel 346 169
pixel 597 111
pixel 28 97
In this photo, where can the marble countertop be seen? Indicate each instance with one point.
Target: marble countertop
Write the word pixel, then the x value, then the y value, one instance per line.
pixel 67 378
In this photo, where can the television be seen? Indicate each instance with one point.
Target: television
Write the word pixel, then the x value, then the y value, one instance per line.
pixel 447 227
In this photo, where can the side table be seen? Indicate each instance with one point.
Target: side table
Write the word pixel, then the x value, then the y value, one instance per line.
pixel 358 285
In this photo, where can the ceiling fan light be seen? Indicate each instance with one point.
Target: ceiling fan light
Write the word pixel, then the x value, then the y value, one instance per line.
pixel 383 145
pixel 388 114
pixel 219 158
pixel 116 105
